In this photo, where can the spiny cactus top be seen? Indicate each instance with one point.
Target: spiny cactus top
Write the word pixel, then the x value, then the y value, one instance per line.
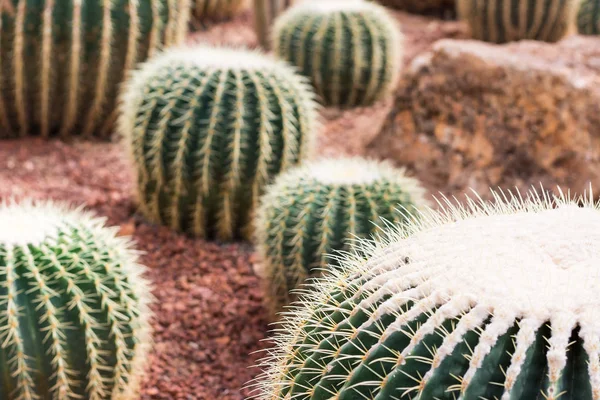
pixel 321 208
pixel 62 61
pixel 588 17
pixel 501 21
pixel 73 307
pixel 495 300
pixel 207 129
pixel 350 49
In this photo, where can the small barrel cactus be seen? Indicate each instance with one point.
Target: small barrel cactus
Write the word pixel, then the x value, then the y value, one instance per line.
pixel 73 306
pixel 588 17
pixel 502 21
pixel 491 300
pixel 351 49
pixel 62 61
pixel 208 129
pixel 265 12
pixel 216 10
pixel 321 208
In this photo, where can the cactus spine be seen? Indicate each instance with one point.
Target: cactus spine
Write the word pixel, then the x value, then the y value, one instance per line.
pixel 208 129
pixel 482 301
pixel 351 50
pixel 315 210
pixel 73 306
pixel 588 17
pixel 217 10
pixel 265 12
pixel 61 61
pixel 501 21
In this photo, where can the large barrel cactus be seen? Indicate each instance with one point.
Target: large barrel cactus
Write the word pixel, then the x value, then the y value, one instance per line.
pixel 501 21
pixel 323 207
pixel 73 306
pixel 491 300
pixel 62 61
pixel 351 50
pixel 216 10
pixel 208 128
pixel 588 17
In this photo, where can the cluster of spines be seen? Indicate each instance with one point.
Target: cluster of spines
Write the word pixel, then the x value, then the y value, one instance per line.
pixel 501 21
pixel 588 17
pixel 208 129
pixel 75 63
pixel 265 13
pixel 217 10
pixel 82 290
pixel 377 329
pixel 351 50
pixel 304 219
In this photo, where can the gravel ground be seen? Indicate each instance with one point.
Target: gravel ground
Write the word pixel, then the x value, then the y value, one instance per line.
pixel 209 322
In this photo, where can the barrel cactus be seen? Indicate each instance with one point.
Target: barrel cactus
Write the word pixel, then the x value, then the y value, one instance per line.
pixel 73 306
pixel 501 21
pixel 351 49
pixel 493 300
pixel 315 210
pixel 217 10
pixel 62 61
pixel 588 17
pixel 265 12
pixel 208 129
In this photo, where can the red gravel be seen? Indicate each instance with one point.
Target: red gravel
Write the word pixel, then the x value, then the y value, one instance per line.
pixel 209 317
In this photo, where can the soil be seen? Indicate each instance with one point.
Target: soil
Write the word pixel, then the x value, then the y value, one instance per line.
pixel 210 322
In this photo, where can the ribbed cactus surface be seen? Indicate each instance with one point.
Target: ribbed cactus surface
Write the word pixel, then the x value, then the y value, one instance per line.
pixel 265 13
pixel 216 10
pixel 351 50
pixel 501 21
pixel 62 61
pixel 208 129
pixel 315 210
pixel 73 307
pixel 588 17
pixel 487 301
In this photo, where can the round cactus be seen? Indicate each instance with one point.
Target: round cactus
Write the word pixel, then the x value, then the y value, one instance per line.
pixel 320 208
pixel 62 61
pixel 491 300
pixel 217 10
pixel 501 21
pixel 208 129
pixel 73 306
pixel 588 18
pixel 351 50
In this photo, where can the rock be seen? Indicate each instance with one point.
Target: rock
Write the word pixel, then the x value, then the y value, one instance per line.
pixel 470 114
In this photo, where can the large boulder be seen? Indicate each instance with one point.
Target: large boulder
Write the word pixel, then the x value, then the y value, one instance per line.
pixel 475 115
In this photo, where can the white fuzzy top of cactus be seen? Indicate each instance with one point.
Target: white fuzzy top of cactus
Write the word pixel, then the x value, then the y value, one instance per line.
pixel 29 223
pixel 352 171
pixel 332 6
pixel 531 258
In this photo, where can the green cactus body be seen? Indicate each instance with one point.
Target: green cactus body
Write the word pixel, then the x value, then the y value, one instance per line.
pixel 588 17
pixel 265 13
pixel 491 300
pixel 61 61
pixel 73 307
pixel 502 21
pixel 351 50
pixel 208 130
pixel 315 210
pixel 217 10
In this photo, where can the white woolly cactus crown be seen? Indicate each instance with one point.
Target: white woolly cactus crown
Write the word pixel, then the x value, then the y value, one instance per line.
pixel 490 300
pixel 74 307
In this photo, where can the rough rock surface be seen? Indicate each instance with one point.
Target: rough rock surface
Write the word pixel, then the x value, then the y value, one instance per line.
pixel 475 115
